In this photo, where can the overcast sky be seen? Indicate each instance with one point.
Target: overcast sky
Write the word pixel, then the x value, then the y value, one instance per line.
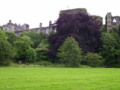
pixel 33 12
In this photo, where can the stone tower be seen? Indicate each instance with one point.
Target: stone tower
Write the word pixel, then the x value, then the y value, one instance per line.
pixel 10 22
pixel 40 25
pixel 109 21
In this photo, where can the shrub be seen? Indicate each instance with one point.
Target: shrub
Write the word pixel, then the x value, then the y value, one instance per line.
pixel 24 49
pixel 44 63
pixel 6 62
pixel 70 53
pixel 30 55
pixel 42 49
pixel 93 59
pixel 11 37
pixel 7 52
pixel 110 50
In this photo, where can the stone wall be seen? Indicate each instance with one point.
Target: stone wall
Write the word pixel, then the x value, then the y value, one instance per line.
pixel 112 22
pixel 14 27
pixel 73 11
pixel 18 29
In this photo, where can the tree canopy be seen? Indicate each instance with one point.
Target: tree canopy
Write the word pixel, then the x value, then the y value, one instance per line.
pixel 84 28
pixel 7 52
pixel 70 53
pixel 111 49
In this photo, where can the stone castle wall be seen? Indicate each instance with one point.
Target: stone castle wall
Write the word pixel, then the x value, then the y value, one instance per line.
pixel 25 27
pixel 112 22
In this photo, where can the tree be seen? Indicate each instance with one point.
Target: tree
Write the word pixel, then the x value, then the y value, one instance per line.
pixel 11 37
pixel 7 52
pixel 93 59
pixel 70 53
pixel 30 55
pixel 42 50
pixel 27 40
pixel 35 37
pixel 84 28
pixel 24 49
pixel 110 50
pixel 51 32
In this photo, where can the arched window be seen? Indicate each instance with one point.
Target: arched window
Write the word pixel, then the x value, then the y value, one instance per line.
pixel 114 20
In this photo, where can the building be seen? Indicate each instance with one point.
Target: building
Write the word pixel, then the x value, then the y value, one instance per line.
pixel 112 22
pixel 14 27
pixel 25 27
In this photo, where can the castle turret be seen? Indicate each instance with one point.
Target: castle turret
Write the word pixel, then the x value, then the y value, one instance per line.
pixel 40 25
pixel 50 23
pixel 10 21
pixel 109 21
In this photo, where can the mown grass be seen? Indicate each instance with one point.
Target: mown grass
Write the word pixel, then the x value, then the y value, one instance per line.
pixel 37 78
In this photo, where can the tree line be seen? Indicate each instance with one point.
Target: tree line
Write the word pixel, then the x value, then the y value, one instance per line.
pixel 80 40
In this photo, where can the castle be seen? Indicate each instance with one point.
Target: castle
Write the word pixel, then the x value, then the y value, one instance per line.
pixel 25 27
pixel 112 22
pixel 14 27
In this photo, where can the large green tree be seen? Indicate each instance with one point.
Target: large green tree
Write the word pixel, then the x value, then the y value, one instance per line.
pixel 111 49
pixel 7 52
pixel 30 55
pixel 70 53
pixel 25 52
pixel 11 37
pixel 35 37
pixel 42 50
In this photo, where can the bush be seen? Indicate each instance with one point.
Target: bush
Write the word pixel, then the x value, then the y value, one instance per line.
pixel 93 59
pixel 5 63
pixel 7 51
pixel 84 66
pixel 11 37
pixel 42 49
pixel 25 52
pixel 70 53
pixel 44 63
pixel 110 50
pixel 30 55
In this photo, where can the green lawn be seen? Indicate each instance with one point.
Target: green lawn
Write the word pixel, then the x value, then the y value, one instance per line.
pixel 37 78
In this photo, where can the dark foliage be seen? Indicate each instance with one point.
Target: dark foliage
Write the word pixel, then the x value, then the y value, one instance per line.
pixel 110 50
pixel 11 37
pixel 85 29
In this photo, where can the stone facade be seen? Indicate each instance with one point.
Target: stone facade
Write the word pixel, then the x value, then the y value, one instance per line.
pixel 73 11
pixel 45 29
pixel 112 22
pixel 81 10
pixel 25 27
pixel 14 27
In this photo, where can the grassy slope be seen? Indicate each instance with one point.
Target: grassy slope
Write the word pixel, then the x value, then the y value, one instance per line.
pixel 36 78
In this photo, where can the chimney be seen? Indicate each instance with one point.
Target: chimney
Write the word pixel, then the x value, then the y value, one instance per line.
pixel 40 25
pixel 10 21
pixel 50 23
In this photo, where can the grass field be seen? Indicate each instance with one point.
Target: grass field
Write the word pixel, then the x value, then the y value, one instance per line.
pixel 36 78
